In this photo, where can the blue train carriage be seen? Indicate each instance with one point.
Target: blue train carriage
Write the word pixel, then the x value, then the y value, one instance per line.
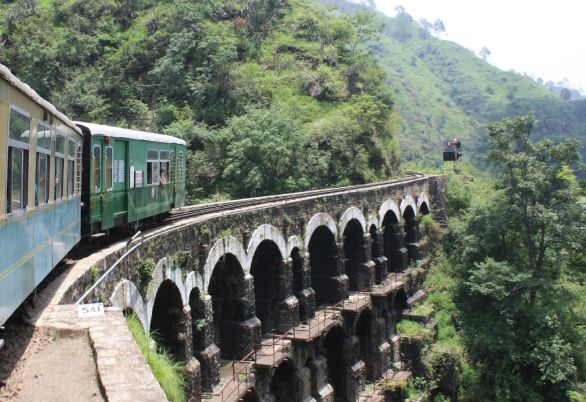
pixel 40 160
pixel 129 176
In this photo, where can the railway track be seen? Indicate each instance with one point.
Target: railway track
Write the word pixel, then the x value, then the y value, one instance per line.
pixel 198 210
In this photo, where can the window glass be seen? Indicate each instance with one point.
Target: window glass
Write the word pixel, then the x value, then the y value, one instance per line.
pixel 71 149
pixel 42 179
pixel 19 126
pixel 70 176
pixel 60 143
pixel 97 179
pixel 164 170
pixel 58 178
pixel 152 167
pixel 19 129
pixel 43 136
pixel 109 170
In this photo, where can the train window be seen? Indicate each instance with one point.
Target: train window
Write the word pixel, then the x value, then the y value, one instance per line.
pixel 43 163
pixel 172 168
pixel 152 167
pixel 97 160
pixel 109 168
pixel 43 136
pixel 19 129
pixel 70 168
pixel 164 158
pixel 59 165
pixel 180 168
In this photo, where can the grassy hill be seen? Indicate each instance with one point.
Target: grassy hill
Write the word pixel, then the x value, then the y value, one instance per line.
pixel 271 95
pixel 444 90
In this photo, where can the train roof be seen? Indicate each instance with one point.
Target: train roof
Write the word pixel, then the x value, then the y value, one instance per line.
pixel 117 132
pixel 29 92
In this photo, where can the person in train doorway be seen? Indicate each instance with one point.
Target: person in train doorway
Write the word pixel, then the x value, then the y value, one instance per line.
pixel 162 178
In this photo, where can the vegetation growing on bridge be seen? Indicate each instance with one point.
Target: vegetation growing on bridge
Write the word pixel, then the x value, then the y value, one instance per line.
pixel 169 373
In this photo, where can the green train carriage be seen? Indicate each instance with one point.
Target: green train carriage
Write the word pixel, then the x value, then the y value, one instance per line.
pixel 129 176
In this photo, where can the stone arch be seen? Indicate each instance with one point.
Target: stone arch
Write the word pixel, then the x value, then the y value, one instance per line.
pixel 372 221
pixel 423 204
pixel 317 220
pixel 272 286
pixel 285 383
pixel 126 295
pixel 262 233
pixel 295 242
pixel 199 322
pixel 326 279
pixel 165 271
pixel 230 289
pixel 350 214
pixel 408 202
pixel 193 280
pixel 168 319
pixel 225 245
pixel 337 371
pixel 356 268
pixel 393 241
pixel 388 205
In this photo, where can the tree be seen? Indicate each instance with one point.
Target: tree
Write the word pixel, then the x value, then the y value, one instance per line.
pixel 518 246
pixel 484 53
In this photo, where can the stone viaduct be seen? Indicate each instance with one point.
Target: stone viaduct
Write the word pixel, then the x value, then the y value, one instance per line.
pixel 338 269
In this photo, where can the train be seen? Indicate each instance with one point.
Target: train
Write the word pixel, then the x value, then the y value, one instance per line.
pixel 63 181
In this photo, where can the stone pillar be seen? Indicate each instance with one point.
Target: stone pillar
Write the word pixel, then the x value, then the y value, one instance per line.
pixel 204 347
pixel 398 258
pixel 412 238
pixel 184 336
pixel 303 290
pixel 321 390
pixel 305 385
pixel 356 368
pixel 193 379
pixel 288 307
pixel 380 261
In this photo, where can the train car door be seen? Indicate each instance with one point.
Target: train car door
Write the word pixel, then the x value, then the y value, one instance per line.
pixel 96 181
pixel 114 191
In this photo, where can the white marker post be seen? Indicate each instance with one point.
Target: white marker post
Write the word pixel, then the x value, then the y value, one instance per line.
pixel 90 310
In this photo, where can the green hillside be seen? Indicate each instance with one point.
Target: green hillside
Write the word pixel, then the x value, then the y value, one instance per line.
pixel 444 90
pixel 271 95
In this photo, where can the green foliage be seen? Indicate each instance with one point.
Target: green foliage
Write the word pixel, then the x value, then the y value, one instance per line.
pixel 146 268
pixel 412 329
pixel 270 95
pixel 169 373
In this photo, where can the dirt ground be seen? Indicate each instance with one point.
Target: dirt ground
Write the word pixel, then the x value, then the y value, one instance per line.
pixel 43 365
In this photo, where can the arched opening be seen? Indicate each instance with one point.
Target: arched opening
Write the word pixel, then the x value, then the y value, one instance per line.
pixel 168 321
pixel 266 269
pixel 424 209
pixel 411 228
pixel 355 257
pixel 334 343
pixel 250 396
pixel 376 252
pixel 364 333
pixel 393 242
pixel 284 383
pixel 323 261
pixel 399 304
pixel 198 320
pixel 227 291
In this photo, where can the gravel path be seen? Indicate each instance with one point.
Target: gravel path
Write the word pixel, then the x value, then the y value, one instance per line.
pixel 47 365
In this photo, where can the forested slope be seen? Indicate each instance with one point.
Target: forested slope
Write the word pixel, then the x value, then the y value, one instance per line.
pixel 272 95
pixel 444 90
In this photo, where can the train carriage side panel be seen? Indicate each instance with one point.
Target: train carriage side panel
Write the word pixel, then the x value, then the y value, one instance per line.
pixel 39 207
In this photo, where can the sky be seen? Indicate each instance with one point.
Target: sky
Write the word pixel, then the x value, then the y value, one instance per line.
pixel 544 39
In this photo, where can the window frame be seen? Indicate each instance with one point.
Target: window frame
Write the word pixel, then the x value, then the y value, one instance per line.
pixel 155 179
pixel 109 164
pixel 59 160
pixel 24 148
pixel 99 188
pixel 71 174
